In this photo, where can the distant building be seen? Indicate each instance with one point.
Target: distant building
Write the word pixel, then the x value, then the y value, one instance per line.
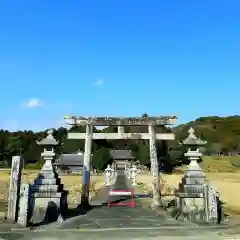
pixel 71 163
pixel 121 156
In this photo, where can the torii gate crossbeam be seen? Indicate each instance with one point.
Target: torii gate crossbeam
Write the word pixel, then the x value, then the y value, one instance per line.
pixel 112 136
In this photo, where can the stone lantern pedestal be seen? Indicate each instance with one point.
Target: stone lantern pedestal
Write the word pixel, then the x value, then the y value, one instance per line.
pixel 50 200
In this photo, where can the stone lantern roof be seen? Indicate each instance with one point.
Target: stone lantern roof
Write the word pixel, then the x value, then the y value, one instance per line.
pixel 192 140
pixel 49 140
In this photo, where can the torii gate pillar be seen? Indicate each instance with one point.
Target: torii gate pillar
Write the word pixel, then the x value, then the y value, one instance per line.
pixel 86 166
pixel 154 166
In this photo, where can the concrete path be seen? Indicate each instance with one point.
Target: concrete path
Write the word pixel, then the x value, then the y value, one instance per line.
pixel 121 222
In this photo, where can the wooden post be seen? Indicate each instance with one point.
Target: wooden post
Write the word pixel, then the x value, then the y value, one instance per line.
pixel 154 166
pixel 86 167
pixel 14 188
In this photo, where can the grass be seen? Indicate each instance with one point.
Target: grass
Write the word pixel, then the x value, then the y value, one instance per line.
pixel 219 170
pixel 216 164
pixel 219 163
pixel 71 183
pixel 226 183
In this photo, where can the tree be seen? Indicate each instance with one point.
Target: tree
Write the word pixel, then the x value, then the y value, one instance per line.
pixel 14 146
pixel 101 158
pixel 61 136
pixel 72 145
pixel 2 149
pixel 143 155
pixel 33 153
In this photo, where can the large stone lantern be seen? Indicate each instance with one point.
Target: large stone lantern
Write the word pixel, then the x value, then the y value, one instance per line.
pixel 193 184
pixel 49 196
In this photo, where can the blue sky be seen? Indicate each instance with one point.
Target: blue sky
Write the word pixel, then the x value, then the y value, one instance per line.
pixel 121 58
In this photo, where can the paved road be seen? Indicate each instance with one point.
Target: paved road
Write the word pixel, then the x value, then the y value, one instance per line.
pixel 120 223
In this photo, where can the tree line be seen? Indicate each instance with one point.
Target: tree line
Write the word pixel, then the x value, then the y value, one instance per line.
pixel 24 142
pixel 222 134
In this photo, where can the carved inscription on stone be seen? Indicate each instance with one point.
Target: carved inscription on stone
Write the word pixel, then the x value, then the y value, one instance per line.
pixel 14 186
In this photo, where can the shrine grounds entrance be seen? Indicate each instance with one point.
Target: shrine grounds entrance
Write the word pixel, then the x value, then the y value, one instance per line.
pixel 152 136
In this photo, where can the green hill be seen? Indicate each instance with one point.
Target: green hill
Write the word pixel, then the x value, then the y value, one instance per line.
pixel 221 131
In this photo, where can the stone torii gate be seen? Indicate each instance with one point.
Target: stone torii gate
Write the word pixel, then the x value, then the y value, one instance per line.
pixel 152 136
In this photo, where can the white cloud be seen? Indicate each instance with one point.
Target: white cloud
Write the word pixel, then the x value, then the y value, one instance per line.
pixel 33 103
pixel 99 82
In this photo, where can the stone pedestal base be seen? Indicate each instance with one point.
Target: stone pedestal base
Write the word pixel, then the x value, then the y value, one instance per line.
pixel 48 207
pixel 192 202
pixel 49 198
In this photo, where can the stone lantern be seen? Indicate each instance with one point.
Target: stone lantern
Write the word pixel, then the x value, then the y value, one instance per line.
pixel 49 143
pixel 193 184
pixel 49 197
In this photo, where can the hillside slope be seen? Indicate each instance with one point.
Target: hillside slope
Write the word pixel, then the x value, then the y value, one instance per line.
pixel 224 131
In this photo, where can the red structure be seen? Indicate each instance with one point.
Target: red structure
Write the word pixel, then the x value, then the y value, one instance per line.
pixel 126 193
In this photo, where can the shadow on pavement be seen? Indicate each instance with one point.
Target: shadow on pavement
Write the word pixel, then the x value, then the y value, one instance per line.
pixel 82 210
pixel 79 210
pixel 118 199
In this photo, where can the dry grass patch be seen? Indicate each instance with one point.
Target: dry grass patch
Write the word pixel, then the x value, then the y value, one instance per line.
pixel 227 184
pixel 219 163
pixel 72 183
